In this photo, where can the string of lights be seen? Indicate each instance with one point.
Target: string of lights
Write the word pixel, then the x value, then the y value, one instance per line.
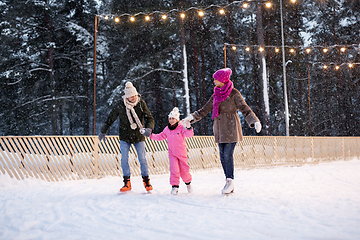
pixel 303 49
pixel 222 9
pixel 201 11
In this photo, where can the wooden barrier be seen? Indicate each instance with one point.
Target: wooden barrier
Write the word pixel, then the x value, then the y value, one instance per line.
pixel 55 158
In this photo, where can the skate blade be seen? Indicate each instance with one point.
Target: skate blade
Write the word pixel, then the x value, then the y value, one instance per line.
pixel 227 194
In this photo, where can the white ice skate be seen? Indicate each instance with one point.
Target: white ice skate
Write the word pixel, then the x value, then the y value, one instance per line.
pixel 174 190
pixel 229 187
pixel 189 188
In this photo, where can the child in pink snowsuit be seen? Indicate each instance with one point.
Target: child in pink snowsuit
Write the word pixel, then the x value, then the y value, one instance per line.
pixel 175 133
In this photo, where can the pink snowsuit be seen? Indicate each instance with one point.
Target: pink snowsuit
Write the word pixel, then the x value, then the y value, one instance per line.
pixel 179 166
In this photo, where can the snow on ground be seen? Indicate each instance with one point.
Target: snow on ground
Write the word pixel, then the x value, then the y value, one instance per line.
pixel 309 202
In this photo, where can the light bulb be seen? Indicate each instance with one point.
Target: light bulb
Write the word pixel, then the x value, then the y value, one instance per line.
pixel 182 15
pixel 201 13
pixel 222 11
pixel 308 50
pixel 147 18
pixel 117 19
pixel 132 19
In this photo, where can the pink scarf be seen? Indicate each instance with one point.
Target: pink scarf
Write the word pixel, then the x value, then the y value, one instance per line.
pixel 220 94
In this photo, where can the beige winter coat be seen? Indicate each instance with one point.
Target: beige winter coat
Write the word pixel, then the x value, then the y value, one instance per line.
pixel 227 126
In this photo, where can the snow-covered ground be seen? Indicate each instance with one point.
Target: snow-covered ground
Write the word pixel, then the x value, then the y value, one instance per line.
pixel 308 202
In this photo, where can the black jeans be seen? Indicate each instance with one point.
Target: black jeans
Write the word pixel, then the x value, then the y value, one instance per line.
pixel 227 159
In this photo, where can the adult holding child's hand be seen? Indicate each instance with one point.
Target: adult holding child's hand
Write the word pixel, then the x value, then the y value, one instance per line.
pixel 224 104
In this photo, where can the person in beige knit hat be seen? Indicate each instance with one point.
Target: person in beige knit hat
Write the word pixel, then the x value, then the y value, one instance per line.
pixel 135 119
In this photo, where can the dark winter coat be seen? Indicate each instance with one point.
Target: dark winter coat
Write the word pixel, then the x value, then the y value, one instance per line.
pixel 127 134
pixel 227 126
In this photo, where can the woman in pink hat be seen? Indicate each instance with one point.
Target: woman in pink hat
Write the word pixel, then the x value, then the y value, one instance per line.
pixel 224 104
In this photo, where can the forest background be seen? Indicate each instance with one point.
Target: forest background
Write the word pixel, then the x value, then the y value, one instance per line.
pixel 47 62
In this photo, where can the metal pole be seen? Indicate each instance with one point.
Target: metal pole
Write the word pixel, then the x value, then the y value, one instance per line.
pixel 309 99
pixel 94 117
pixel 225 54
pixel 284 72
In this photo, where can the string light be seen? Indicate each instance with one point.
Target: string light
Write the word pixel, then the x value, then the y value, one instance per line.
pixel 325 50
pixel 182 15
pixel 351 65
pixel 247 49
pixel 132 19
pixel 261 49
pixel 233 48
pixel 337 67
pixel 277 50
pixel 325 67
pixel 147 18
pixel 342 49
pixel 308 50
pixel 292 50
pixel 201 12
pixel 117 19
pixel 293 1
pixel 164 17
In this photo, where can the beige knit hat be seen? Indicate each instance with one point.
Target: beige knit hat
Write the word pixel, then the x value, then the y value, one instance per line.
pixel 130 90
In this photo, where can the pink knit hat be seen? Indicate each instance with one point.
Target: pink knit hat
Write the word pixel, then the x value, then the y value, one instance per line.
pixel 223 75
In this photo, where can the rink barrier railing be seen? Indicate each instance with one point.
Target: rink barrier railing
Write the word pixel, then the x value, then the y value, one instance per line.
pixel 55 158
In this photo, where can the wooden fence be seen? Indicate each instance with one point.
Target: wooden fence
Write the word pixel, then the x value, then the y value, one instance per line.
pixel 55 158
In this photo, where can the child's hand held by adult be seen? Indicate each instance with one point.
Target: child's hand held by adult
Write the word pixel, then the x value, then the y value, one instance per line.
pixel 189 118
pixel 146 131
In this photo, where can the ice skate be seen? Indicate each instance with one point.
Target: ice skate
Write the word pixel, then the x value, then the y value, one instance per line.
pixel 147 184
pixel 189 187
pixel 229 187
pixel 127 185
pixel 175 190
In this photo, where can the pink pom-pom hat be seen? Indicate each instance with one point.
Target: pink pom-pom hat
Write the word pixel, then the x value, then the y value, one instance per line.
pixel 223 75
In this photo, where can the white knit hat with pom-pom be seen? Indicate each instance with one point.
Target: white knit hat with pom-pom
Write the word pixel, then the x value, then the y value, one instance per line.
pixel 130 90
pixel 175 114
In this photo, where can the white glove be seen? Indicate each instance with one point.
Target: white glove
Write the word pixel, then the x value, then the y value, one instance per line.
pixel 257 127
pixel 186 124
pixel 189 118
